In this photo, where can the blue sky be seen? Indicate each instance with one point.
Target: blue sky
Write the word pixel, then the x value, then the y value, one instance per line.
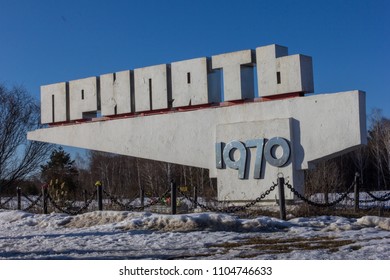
pixel 44 42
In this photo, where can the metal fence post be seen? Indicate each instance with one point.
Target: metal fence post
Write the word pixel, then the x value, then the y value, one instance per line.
pixel 282 200
pixel 381 210
pixel 85 194
pixel 19 194
pixel 142 197
pixel 173 197
pixel 196 196
pixel 356 191
pixel 99 187
pixel 44 197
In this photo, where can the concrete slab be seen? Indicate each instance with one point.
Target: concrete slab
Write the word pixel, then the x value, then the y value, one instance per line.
pixel 321 126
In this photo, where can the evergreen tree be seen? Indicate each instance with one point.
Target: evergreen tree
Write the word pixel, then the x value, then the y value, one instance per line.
pixel 60 175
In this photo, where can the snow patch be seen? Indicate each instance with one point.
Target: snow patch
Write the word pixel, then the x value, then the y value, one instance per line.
pixel 184 222
pixel 13 216
pixel 142 235
pixel 96 218
pixel 374 221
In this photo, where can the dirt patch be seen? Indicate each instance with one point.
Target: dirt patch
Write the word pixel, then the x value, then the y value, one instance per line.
pixel 261 246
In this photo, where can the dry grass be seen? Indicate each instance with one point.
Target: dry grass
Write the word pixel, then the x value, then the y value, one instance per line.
pixel 260 246
pixel 305 210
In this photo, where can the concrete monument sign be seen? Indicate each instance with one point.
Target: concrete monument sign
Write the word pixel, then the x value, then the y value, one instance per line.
pixel 204 112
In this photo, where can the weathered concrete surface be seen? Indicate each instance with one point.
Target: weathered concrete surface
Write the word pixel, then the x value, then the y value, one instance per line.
pixel 115 91
pixel 322 126
pixel 83 98
pixel 190 83
pixel 238 80
pixel 280 73
pixel 179 84
pixel 151 88
pixel 53 98
pixel 230 188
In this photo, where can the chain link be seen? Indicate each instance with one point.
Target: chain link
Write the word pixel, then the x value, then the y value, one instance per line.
pixel 385 197
pixel 313 203
pixel 361 200
pixel 33 203
pixel 128 207
pixel 228 209
pixel 231 209
pixel 116 201
pixel 69 212
pixel 26 197
pixel 2 205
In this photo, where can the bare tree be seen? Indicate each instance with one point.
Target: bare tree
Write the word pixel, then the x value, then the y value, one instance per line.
pixel 386 147
pixel 325 178
pixel 127 176
pixel 19 158
pixel 119 174
pixel 376 146
pixel 360 159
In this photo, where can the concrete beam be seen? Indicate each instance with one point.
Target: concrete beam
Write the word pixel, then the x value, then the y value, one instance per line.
pixel 320 126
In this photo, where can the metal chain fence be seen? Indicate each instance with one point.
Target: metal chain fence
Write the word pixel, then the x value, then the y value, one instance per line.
pixel 231 209
pixel 128 207
pixel 385 197
pixel 74 209
pixel 2 204
pixel 67 210
pixel 33 202
pixel 361 201
pixel 317 204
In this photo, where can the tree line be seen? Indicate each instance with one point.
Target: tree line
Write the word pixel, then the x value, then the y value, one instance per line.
pixel 371 162
pixel 30 164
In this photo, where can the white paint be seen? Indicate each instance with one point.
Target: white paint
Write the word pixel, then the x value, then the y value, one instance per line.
pixel 317 127
pixel 250 188
pixel 189 82
pixel 321 126
pixel 155 89
pixel 115 93
pixel 151 82
pixel 56 93
pixel 83 98
pixel 295 71
pixel 238 83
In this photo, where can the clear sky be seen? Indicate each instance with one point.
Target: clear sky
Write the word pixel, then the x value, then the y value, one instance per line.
pixel 44 42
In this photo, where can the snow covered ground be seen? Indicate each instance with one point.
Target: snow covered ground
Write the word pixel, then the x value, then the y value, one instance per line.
pixel 112 235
